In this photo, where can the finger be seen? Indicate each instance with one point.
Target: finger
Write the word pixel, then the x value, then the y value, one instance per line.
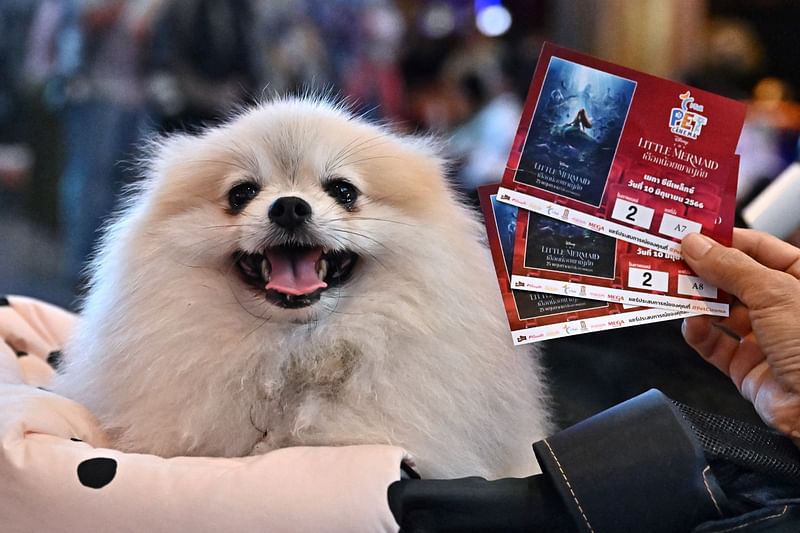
pixel 743 361
pixel 777 408
pixel 753 383
pixel 748 356
pixel 768 250
pixel 696 332
pixel 712 343
pixel 737 322
pixel 733 271
pixel 697 329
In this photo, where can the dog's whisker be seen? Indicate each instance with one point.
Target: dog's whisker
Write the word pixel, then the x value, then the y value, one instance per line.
pixel 243 306
pixel 334 311
pixel 342 219
pixel 248 225
pixel 326 210
pixel 334 160
pixel 358 248
pixel 258 327
pixel 344 159
pixel 355 296
pixel 359 234
pixel 371 158
pixel 224 162
pixel 187 265
pixel 364 144
pixel 227 276
pixel 204 199
pixel 336 305
pixel 250 161
pixel 353 146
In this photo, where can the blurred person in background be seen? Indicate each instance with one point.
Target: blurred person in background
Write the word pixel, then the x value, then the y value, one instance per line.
pixel 340 29
pixel 434 101
pixel 347 48
pixel 292 53
pixel 204 58
pixel 733 62
pixel 373 79
pixel 88 54
pixel 16 158
pixel 183 63
pixel 768 142
pixel 482 143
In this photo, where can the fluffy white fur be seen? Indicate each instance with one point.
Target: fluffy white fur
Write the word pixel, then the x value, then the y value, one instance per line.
pixel 177 356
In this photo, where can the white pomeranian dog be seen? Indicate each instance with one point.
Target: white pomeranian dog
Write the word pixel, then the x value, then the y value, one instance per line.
pixel 299 276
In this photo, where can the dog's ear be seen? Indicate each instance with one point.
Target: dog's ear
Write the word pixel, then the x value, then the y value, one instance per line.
pixel 409 174
pixel 167 152
pixel 184 171
pixel 431 147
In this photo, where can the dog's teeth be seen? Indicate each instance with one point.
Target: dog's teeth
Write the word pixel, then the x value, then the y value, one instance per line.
pixel 265 269
pixel 322 268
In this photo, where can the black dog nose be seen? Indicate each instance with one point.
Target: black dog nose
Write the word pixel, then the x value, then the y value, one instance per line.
pixel 289 212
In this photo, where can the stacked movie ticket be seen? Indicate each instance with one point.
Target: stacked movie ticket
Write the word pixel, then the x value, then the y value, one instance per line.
pixel 610 169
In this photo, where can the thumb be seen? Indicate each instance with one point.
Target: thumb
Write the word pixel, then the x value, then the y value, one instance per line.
pixel 735 272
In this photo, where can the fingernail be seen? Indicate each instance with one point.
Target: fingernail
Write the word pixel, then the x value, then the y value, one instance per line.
pixel 696 245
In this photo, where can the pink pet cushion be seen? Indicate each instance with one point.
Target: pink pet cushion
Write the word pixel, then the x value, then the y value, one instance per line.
pixel 57 473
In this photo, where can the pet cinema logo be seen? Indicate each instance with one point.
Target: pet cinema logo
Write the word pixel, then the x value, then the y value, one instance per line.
pixel 686 120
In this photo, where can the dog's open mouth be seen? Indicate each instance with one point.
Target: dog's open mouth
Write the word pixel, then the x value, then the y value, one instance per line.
pixel 295 276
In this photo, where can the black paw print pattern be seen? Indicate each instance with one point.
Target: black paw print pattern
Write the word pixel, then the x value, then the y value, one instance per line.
pixel 53 358
pixel 97 472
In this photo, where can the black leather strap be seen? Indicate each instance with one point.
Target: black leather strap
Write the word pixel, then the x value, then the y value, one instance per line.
pixel 635 467
pixel 473 504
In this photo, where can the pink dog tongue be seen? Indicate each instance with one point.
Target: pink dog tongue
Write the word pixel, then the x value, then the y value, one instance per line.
pixel 294 273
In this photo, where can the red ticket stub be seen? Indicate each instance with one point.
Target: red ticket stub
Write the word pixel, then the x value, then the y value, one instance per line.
pixel 536 316
pixel 554 256
pixel 625 154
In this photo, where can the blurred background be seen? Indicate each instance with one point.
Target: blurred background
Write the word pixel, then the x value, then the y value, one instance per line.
pixel 82 82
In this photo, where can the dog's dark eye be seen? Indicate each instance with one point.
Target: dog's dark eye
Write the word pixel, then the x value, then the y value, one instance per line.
pixel 241 194
pixel 343 192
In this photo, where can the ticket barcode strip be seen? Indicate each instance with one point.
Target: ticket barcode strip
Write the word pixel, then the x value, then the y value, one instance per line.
pixel 591 325
pixel 600 225
pixel 592 292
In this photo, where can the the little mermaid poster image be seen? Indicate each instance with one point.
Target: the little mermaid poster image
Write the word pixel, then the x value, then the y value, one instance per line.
pixel 575 130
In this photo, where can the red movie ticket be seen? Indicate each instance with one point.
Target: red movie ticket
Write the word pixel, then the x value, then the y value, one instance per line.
pixel 639 160
pixel 534 316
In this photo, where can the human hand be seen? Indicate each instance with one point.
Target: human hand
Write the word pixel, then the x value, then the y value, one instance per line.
pixel 758 345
